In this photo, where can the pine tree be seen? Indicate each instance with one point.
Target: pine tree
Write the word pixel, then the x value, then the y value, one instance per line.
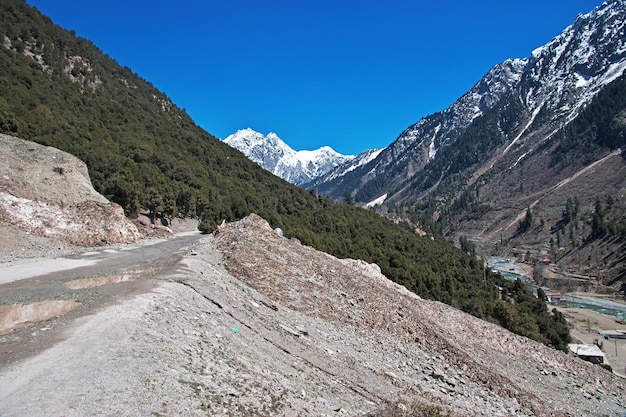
pixel 526 222
pixel 598 221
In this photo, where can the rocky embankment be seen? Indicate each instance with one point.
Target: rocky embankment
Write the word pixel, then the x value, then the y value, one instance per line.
pixel 47 193
pixel 398 347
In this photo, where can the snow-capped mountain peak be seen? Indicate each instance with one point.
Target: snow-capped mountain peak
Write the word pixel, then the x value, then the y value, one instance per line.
pixel 586 56
pixel 507 115
pixel 262 149
pixel 273 154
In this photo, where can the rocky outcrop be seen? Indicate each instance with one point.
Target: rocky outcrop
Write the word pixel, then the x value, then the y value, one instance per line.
pixel 46 192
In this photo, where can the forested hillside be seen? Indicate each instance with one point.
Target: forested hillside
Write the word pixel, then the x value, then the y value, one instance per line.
pixel 143 152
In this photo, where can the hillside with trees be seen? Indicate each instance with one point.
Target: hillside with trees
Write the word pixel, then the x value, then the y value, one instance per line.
pixel 144 152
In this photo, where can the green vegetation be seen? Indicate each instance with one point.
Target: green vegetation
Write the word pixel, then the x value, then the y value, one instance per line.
pixel 550 328
pixel 605 220
pixel 144 152
pixel 525 224
pixel 598 220
pixel 572 208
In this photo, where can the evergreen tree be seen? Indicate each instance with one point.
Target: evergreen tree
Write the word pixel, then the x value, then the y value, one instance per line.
pixel 568 212
pixel 526 222
pixel 598 220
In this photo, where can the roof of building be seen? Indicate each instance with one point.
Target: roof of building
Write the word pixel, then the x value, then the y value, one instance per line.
pixel 585 350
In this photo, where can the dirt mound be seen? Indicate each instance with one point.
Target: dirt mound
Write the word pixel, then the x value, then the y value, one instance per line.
pixel 43 173
pixel 455 360
pixel 46 192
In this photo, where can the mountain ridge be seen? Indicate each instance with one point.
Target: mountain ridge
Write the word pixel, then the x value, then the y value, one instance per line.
pixel 563 59
pixel 273 154
pixel 524 129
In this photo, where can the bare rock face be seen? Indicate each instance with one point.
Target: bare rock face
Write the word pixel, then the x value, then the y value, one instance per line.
pixel 46 192
pixel 43 173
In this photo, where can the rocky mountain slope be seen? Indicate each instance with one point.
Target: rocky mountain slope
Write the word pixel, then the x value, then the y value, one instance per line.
pixel 419 144
pixel 528 99
pixel 273 154
pixel 531 134
pixel 45 192
pixel 344 172
pixel 252 323
pixel 506 117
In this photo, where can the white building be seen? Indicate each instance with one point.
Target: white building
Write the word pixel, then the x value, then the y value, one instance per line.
pixel 589 353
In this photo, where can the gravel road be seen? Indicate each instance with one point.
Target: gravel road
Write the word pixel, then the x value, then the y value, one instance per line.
pixel 33 292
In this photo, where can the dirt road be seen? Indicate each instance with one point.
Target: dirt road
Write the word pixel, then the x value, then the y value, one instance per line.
pixel 39 297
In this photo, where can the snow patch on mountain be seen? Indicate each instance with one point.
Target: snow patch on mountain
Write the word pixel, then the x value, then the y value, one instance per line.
pixel 586 56
pixel 377 202
pixel 361 159
pixel 498 82
pixel 272 153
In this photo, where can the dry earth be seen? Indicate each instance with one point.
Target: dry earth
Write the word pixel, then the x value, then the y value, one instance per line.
pixel 45 192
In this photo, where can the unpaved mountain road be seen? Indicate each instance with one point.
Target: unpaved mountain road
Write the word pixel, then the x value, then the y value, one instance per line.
pixel 98 260
pixel 38 298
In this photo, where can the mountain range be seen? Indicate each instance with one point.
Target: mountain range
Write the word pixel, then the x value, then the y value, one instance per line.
pixel 517 108
pixel 531 135
pixel 273 154
pixel 529 100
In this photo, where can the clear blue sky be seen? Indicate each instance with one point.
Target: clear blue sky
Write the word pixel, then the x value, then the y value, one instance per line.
pixel 345 73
